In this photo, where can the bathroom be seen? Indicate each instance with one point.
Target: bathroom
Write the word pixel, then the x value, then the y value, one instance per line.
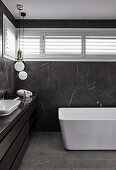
pixel 69 62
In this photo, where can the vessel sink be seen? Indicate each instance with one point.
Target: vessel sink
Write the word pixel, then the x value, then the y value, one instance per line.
pixel 8 106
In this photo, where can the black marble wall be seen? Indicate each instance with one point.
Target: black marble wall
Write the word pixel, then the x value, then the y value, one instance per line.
pixel 6 66
pixel 68 84
pixel 50 23
pixel 7 75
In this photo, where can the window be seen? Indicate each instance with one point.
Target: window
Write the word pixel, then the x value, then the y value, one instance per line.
pixel 101 45
pixel 9 47
pixel 80 45
pixel 60 45
pixel 30 46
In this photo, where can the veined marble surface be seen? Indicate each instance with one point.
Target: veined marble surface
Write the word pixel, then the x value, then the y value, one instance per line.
pixel 68 84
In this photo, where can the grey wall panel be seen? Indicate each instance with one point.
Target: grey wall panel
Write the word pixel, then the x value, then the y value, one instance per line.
pixel 7 81
pixel 68 84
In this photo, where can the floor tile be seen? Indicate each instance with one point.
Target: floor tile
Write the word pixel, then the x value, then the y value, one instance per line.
pixel 46 152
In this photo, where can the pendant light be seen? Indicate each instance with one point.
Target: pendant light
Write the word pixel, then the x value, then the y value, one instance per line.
pixel 19 65
pixel 19 53
pixel 22 74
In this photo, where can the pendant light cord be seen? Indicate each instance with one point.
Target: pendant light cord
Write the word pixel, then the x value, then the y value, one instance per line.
pixel 23 33
pixel 19 29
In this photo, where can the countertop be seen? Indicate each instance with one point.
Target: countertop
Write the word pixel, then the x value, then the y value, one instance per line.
pixel 7 122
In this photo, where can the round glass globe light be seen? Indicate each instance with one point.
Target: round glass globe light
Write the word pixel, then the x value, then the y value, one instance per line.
pixel 22 75
pixel 19 66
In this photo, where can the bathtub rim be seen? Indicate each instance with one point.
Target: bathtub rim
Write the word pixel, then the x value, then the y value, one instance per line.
pixel 83 108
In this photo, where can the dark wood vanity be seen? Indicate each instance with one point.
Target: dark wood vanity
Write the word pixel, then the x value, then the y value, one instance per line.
pixel 14 135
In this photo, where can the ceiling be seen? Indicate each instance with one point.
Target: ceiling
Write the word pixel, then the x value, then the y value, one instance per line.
pixel 64 9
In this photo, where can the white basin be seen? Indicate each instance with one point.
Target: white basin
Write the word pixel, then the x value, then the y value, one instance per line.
pixel 8 106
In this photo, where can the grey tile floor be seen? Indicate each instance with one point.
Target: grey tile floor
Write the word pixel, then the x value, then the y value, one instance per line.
pixel 46 152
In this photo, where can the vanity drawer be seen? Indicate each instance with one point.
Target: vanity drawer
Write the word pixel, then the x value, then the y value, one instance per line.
pixel 10 137
pixel 11 155
pixel 20 155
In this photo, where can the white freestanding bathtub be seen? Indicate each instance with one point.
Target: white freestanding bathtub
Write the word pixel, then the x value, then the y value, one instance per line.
pixel 88 128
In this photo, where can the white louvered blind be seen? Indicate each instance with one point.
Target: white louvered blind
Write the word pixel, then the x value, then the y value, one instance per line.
pixel 100 45
pixel 63 45
pixel 10 43
pixel 30 45
pixel 9 39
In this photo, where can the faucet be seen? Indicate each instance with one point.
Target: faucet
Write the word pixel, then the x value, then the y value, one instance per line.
pixel 2 92
pixel 99 103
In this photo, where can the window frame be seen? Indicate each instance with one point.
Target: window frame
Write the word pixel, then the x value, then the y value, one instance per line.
pixel 68 31
pixel 7 24
pixel 72 31
pixel 101 57
pixel 53 56
pixel 42 33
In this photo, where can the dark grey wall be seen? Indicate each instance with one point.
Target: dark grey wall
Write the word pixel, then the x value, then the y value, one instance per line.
pixel 52 23
pixel 68 84
pixel 7 75
pixel 6 66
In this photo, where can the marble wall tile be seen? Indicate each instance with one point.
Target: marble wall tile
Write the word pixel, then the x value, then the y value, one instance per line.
pixel 67 23
pixel 7 81
pixel 68 84
pixel 7 75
